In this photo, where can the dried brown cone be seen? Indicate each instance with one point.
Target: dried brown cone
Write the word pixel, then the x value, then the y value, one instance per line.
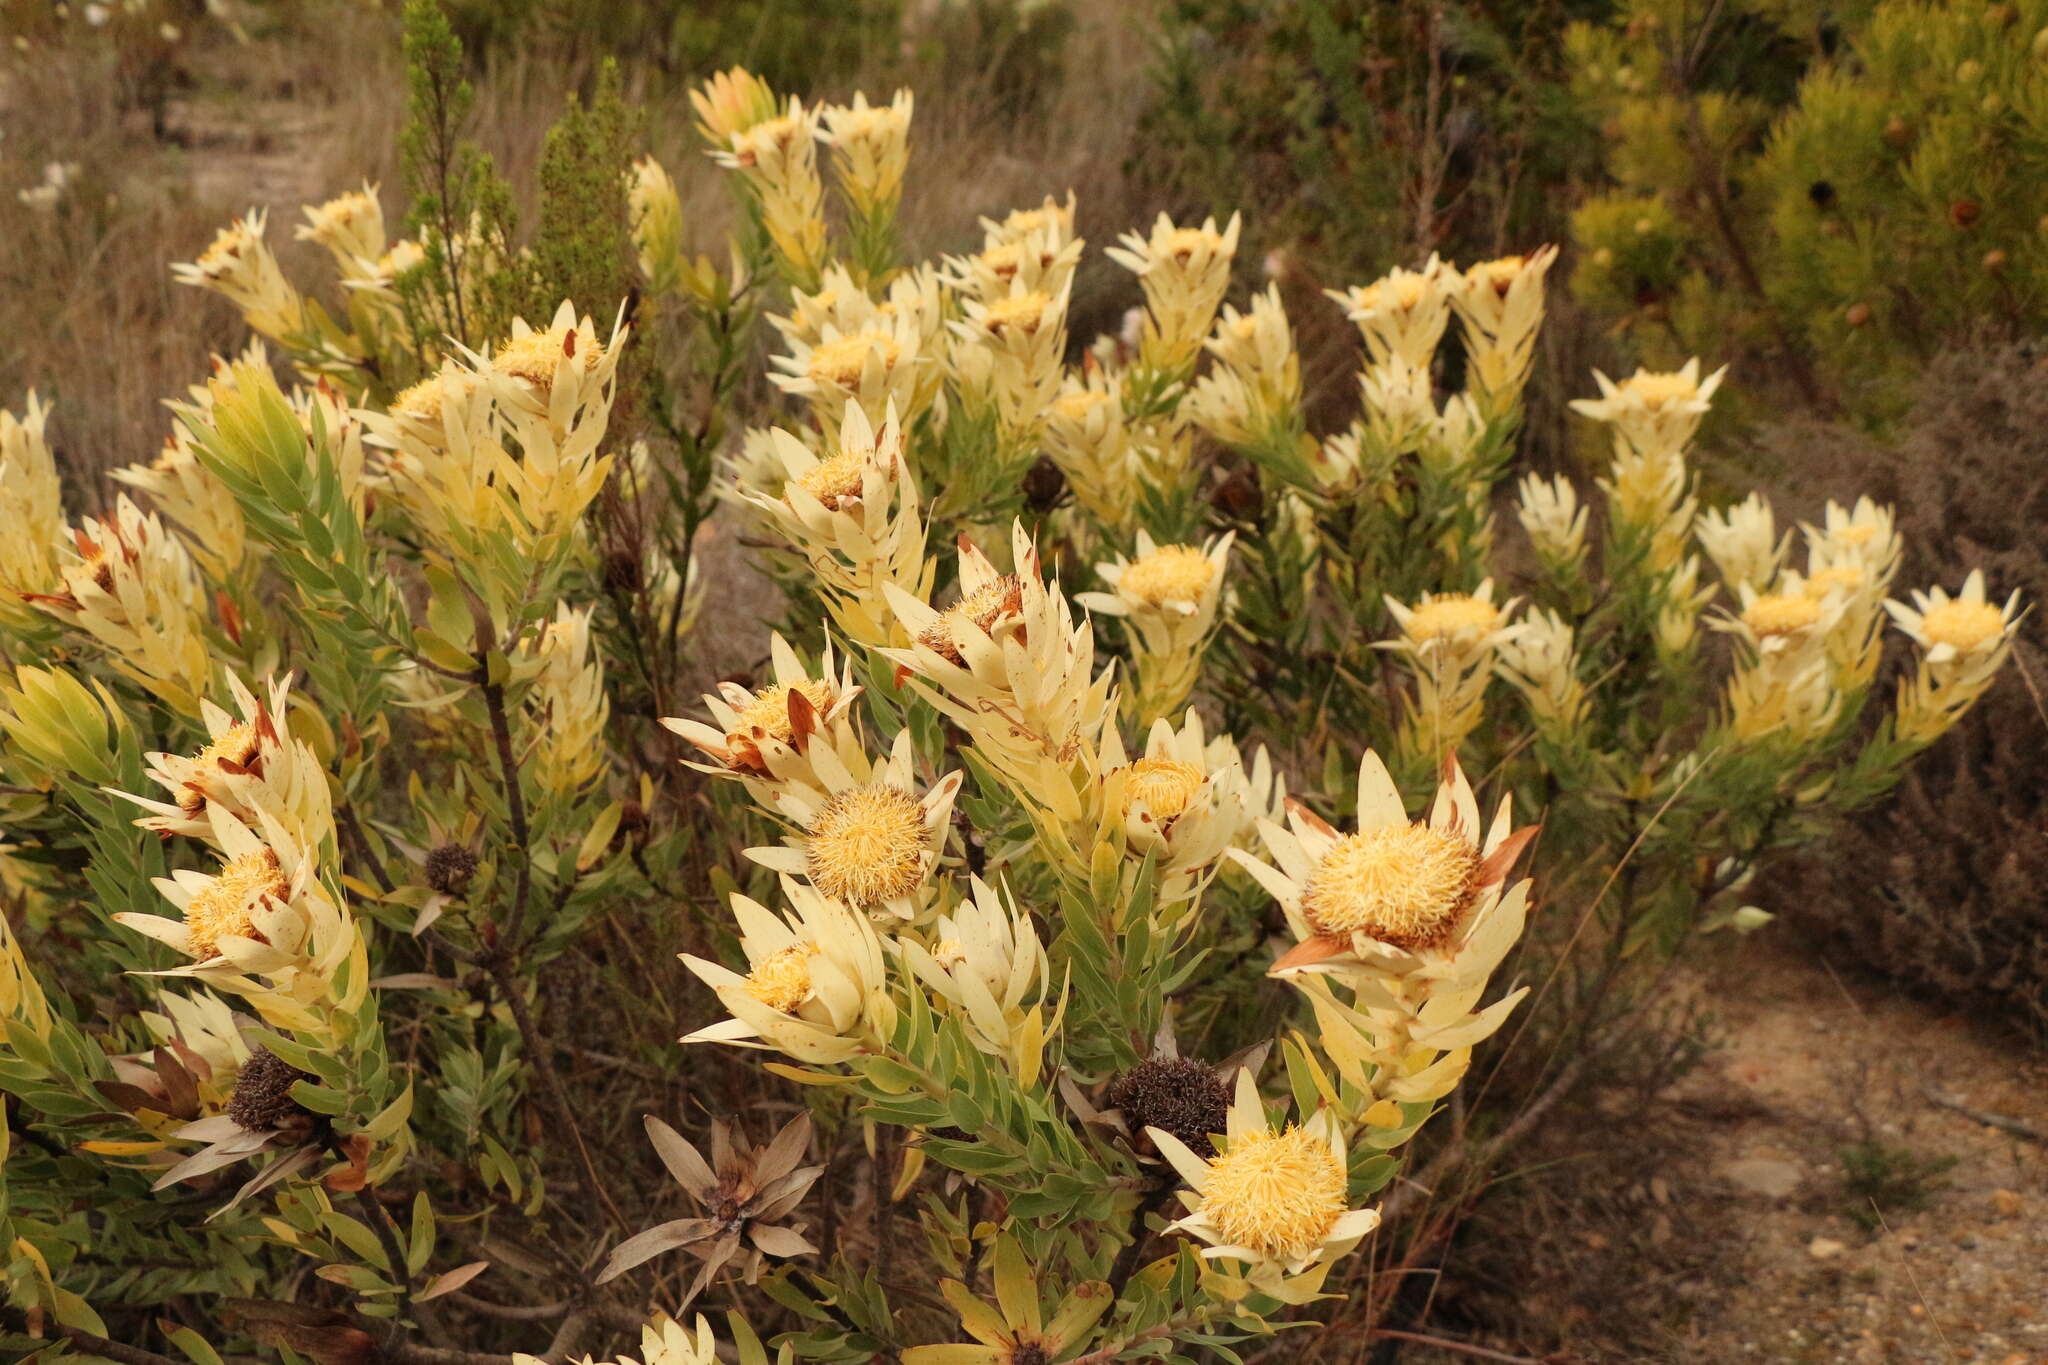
pixel 449 868
pixel 1176 1095
pixel 744 1191
pixel 262 1101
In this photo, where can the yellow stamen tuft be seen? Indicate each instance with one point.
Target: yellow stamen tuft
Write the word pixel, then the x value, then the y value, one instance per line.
pixel 536 356
pixel 233 750
pixel 1171 573
pixel 1963 626
pixel 401 258
pixel 1452 616
pixel 1499 273
pixel 1076 406
pixel 1183 243
pixel 1018 312
pixel 842 360
pixel 868 845
pixel 1277 1194
pixel 835 480
pixel 1165 785
pixel 985 608
pixel 1655 390
pixel 768 713
pixel 1408 886
pixel 1845 578
pixel 224 908
pixel 782 981
pixel 1780 615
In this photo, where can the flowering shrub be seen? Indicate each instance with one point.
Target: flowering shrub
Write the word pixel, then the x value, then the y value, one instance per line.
pixel 338 816
pixel 1857 228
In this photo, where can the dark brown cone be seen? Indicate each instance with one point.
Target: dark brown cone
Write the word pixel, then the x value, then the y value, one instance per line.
pixel 1174 1094
pixel 262 1102
pixel 449 869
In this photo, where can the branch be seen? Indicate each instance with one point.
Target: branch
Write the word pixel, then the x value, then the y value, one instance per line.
pixel 1447 1344
pixel 2017 1127
pixel 112 1350
pixel 540 1055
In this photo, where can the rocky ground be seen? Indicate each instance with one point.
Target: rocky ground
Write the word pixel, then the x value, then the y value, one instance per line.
pixel 1848 1177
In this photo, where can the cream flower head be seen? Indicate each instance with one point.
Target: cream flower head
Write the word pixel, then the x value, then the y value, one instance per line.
pixel 1743 543
pixel 1653 411
pixel 1460 625
pixel 1186 799
pixel 764 736
pixel 250 764
pixel 984 959
pixel 878 362
pixel 1965 628
pixel 1275 1200
pixel 1422 898
pixel 1402 314
pixel 872 843
pixel 815 985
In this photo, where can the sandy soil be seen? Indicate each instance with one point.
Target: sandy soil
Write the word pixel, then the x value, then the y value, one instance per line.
pixel 1726 1227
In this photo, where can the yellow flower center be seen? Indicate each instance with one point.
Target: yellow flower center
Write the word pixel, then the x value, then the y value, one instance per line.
pixel 401 258
pixel 1164 785
pixel 1780 615
pixel 1452 616
pixel 868 845
pixel 1655 390
pixel 782 981
pixel 343 211
pixel 1854 534
pixel 1405 885
pixel 1963 626
pixel 96 561
pixel 1024 222
pixel 1019 312
pixel 234 750
pixel 842 360
pixel 1841 578
pixel 1277 1194
pixel 1499 273
pixel 1171 573
pixel 835 480
pixel 985 608
pixel 225 249
pixel 1183 243
pixel 425 400
pixel 768 714
pixel 948 953
pixel 1076 406
pixel 224 907
pixel 536 356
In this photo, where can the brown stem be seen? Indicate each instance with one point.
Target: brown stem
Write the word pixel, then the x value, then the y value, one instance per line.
pixel 515 805
pixel 1447 1344
pixel 394 1253
pixel 540 1055
pixel 112 1350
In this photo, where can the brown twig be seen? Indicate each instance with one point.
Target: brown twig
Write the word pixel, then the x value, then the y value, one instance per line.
pixel 540 1055
pixel 2019 1128
pixel 112 1350
pixel 1448 1344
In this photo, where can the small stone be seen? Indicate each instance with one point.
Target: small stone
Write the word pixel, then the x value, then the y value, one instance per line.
pixel 1825 1248
pixel 2007 1202
pixel 1767 1176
